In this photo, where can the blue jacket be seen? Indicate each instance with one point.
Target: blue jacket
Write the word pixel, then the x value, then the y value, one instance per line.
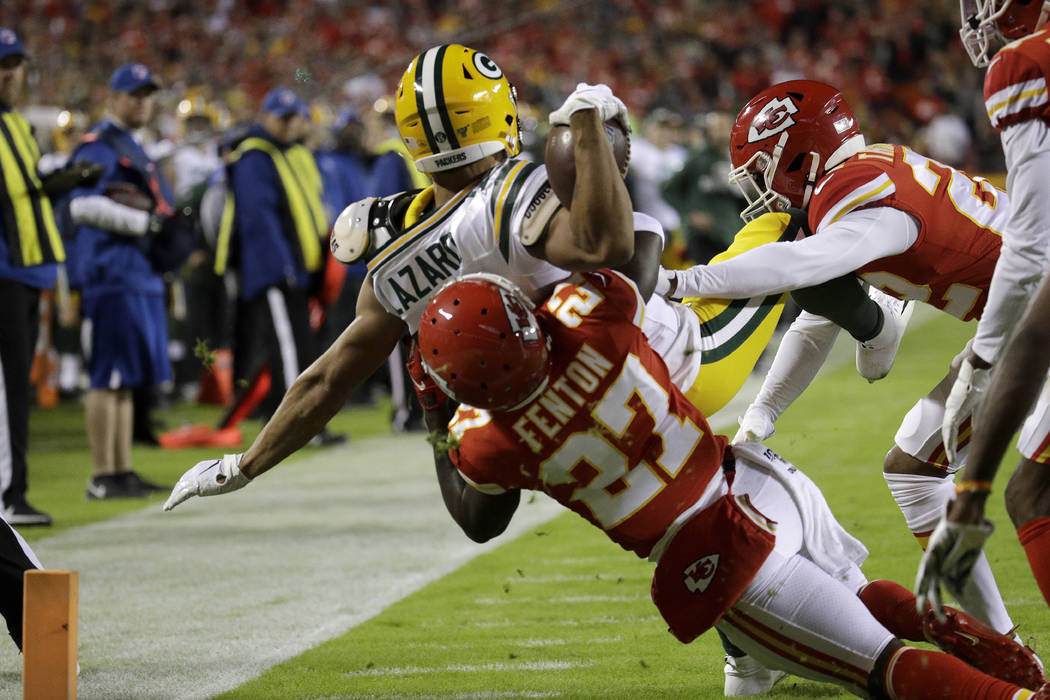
pixel 349 177
pixel 261 219
pixel 109 262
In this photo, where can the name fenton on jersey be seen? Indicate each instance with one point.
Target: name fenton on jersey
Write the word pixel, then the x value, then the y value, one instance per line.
pixel 564 398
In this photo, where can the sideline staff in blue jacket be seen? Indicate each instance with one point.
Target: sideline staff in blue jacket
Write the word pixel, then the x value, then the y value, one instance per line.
pixel 30 252
pixel 272 234
pixel 123 292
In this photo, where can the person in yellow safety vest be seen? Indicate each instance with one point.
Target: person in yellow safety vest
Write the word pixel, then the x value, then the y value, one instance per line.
pixel 30 250
pixel 272 234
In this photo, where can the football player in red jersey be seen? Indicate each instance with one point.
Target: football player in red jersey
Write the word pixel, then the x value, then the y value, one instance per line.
pixel 1016 97
pixel 899 221
pixel 569 399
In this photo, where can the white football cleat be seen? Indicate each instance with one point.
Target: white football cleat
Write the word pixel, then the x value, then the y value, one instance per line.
pixel 745 677
pixel 875 356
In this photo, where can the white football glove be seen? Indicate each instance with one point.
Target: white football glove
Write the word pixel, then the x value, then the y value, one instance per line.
pixel 755 425
pixel 666 282
pixel 949 559
pixel 965 397
pixel 209 478
pixel 598 97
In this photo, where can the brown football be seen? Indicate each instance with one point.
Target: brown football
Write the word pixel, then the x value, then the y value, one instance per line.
pixel 561 163
pixel 129 195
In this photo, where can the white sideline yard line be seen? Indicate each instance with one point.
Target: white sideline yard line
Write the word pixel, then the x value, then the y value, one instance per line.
pixel 485 695
pixel 195 602
pixel 470 668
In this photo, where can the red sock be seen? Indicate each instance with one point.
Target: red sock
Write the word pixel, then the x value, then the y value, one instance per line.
pixel 1035 538
pixel 917 673
pixel 893 606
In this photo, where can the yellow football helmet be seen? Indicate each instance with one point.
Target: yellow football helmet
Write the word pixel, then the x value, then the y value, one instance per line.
pixel 454 106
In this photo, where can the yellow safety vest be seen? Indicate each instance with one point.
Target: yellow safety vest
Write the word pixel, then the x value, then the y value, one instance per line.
pixel 302 193
pixel 419 180
pixel 305 166
pixel 29 223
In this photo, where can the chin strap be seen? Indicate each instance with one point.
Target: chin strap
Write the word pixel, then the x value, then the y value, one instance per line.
pixel 811 179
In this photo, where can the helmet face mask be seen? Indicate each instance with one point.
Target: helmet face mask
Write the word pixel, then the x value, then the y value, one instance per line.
pixel 454 107
pixel 755 180
pixel 785 139
pixel 481 343
pixel 987 24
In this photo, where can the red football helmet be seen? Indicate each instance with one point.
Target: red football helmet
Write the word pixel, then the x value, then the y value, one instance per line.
pixel 481 343
pixel 785 139
pixel 1001 20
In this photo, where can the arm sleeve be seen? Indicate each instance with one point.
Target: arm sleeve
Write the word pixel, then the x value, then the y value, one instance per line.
pixel 1022 258
pixel 465 469
pixel 802 352
pixel 644 222
pixel 840 248
pixel 104 213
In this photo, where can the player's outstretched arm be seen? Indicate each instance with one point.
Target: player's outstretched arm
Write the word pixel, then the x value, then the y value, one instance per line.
pixel 309 403
pixel 322 389
pixel 482 516
pixel 598 231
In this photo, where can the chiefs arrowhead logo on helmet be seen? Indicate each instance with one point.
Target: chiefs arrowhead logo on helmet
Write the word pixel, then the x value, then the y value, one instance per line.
pixel 784 140
pixel 772 119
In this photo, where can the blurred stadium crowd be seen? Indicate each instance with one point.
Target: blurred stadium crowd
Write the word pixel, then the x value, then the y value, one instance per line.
pixel 684 68
pixel 898 60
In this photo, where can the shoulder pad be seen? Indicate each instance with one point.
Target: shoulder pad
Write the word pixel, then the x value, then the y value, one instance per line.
pixel 367 226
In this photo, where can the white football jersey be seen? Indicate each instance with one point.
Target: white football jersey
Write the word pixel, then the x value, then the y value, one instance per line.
pixel 486 229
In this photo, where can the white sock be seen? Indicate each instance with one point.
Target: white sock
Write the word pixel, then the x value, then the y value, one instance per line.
pixel 922 500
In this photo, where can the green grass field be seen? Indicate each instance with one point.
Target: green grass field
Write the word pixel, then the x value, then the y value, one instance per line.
pixel 561 611
pixel 564 612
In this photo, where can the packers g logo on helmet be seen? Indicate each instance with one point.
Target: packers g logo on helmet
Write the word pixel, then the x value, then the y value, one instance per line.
pixel 453 107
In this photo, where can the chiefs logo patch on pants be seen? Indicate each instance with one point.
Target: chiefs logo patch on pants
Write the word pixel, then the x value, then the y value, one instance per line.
pixel 709 563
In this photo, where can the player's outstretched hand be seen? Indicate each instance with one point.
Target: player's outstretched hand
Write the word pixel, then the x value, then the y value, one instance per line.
pixel 599 97
pixel 755 425
pixel 949 559
pixel 963 400
pixel 208 478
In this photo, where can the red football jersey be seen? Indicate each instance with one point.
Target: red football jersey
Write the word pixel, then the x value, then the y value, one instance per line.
pixel 610 437
pixel 960 218
pixel 1015 86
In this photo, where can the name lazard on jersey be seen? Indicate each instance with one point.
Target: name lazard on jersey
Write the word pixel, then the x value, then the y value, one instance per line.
pixel 485 229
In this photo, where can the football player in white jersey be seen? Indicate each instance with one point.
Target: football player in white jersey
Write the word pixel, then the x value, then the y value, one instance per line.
pixel 457 114
pixel 1018 105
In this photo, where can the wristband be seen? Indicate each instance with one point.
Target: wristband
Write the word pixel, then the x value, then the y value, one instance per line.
pixel 973 486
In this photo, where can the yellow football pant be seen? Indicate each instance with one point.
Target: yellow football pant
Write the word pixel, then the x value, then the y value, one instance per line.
pixel 735 332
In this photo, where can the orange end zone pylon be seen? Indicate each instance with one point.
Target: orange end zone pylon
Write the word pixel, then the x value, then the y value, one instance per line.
pixel 49 635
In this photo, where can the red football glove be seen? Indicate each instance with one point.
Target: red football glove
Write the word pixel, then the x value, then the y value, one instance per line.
pixel 427 391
